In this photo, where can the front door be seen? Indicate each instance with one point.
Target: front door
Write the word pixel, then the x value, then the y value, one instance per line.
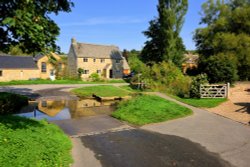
pixel 110 73
pixel 52 75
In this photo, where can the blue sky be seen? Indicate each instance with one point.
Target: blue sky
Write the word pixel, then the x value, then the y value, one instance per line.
pixel 118 22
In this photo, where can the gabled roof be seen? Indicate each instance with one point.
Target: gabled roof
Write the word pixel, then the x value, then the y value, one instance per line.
pixel 17 62
pixel 84 50
pixel 40 55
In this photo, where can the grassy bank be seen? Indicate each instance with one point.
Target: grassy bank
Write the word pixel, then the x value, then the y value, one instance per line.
pixel 135 90
pixel 147 109
pixel 41 81
pixel 103 91
pixel 26 142
pixel 202 103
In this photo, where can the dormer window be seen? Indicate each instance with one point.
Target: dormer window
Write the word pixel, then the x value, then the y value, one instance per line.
pixel 85 59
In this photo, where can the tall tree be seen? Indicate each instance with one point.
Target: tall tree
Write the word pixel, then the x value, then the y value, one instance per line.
pixel 27 24
pixel 227 33
pixel 164 42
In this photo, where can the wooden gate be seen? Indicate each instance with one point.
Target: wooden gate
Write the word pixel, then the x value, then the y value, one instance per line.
pixel 214 91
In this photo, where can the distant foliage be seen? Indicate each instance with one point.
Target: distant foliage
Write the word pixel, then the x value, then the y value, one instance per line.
pixel 164 42
pixel 195 86
pixel 11 103
pixel 220 68
pixel 164 76
pixel 226 37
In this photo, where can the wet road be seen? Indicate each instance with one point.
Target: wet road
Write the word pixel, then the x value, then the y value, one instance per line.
pixel 140 148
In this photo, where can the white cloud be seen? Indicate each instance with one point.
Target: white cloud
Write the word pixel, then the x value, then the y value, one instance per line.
pixel 104 20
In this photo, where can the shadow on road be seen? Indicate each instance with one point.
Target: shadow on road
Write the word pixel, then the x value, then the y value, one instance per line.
pixel 148 149
pixel 22 91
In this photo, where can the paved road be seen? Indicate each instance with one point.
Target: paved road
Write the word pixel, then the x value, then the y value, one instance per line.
pixel 51 90
pixel 204 139
pixel 231 140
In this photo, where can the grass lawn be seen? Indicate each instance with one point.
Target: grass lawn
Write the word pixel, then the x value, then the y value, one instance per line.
pixel 203 103
pixel 147 109
pixel 103 91
pixel 129 88
pixel 42 81
pixel 27 142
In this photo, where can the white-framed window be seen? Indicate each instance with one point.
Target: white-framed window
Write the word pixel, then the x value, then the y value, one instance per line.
pixel 85 71
pixel 102 60
pixel 117 61
pixel 98 71
pixel 85 59
pixel 94 60
pixel 1 73
pixel 44 67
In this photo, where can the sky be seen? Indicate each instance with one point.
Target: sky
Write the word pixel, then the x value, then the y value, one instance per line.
pixel 118 22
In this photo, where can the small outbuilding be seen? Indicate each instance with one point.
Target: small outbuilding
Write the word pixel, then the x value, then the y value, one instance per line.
pixel 17 68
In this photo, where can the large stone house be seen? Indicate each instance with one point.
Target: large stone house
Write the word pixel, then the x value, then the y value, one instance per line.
pixel 27 67
pixel 107 61
pixel 17 68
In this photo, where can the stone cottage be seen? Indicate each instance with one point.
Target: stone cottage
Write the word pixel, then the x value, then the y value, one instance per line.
pixel 28 67
pixel 17 68
pixel 107 61
pixel 46 68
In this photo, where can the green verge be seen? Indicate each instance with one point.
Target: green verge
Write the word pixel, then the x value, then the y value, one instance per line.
pixel 27 142
pixel 135 90
pixel 41 81
pixel 202 103
pixel 102 91
pixel 147 109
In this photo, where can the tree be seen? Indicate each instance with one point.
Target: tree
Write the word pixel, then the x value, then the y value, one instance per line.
pixel 227 33
pixel 27 24
pixel 220 68
pixel 164 42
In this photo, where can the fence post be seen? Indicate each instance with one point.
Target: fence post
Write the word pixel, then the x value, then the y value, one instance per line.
pixel 228 90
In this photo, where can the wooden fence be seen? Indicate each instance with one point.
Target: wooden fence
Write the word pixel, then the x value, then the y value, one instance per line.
pixel 215 91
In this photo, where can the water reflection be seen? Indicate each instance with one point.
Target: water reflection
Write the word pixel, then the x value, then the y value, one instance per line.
pixel 66 109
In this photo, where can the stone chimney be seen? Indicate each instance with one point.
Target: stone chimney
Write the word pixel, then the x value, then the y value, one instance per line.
pixel 73 41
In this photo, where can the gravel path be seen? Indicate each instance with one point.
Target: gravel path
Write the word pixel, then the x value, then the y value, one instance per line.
pixel 238 106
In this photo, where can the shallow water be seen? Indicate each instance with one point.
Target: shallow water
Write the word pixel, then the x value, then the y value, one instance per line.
pixel 66 109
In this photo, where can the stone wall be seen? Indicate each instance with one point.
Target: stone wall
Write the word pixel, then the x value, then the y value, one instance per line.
pixel 19 74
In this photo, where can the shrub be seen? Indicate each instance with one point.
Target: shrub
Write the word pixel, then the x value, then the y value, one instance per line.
pixel 220 68
pixel 167 77
pixel 95 77
pixel 195 85
pixel 11 103
pixel 80 72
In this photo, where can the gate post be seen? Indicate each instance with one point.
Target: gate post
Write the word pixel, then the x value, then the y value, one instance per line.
pixel 228 90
